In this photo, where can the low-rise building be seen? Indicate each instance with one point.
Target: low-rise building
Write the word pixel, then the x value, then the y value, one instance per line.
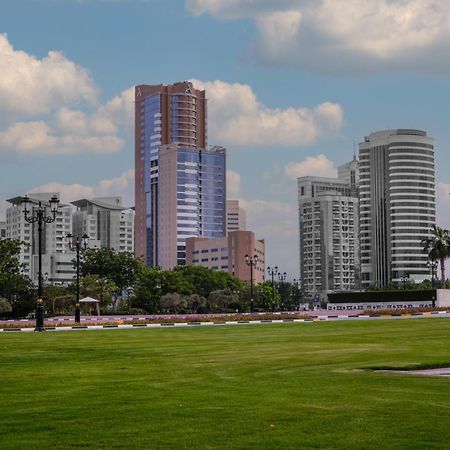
pixel 228 254
pixel 236 216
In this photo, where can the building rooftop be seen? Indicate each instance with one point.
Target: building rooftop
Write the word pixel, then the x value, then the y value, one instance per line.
pixel 113 203
pixel 394 132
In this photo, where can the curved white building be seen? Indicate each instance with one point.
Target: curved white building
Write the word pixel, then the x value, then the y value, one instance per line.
pixel 397 205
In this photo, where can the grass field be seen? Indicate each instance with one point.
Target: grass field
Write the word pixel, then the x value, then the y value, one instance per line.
pixel 289 386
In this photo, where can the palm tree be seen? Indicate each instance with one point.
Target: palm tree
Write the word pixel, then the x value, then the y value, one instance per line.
pixel 438 247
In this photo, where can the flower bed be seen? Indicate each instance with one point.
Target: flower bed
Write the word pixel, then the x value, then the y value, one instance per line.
pixel 398 312
pixel 188 318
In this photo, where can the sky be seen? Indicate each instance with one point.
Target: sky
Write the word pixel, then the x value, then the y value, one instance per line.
pixel 292 87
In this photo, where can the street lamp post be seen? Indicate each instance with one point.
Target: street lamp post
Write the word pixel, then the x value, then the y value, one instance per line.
pixel 251 261
pixel 272 272
pixel 433 267
pixel 40 218
pixel 404 279
pixel 129 292
pixel 77 245
pixel 296 284
pixel 281 279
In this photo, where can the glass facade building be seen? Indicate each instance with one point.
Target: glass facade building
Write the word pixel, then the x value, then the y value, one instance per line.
pixel 192 199
pixel 164 114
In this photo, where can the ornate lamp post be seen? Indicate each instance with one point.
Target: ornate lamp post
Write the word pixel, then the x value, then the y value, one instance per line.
pixel 281 279
pixel 77 245
pixel 433 267
pixel 272 271
pixel 40 217
pixel 251 261
pixel 404 279
pixel 296 284
pixel 129 292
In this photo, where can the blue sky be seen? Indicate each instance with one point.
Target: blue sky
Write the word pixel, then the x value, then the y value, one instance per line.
pixel 287 81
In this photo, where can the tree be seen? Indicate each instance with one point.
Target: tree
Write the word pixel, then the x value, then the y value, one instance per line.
pixel 51 293
pixel 204 281
pixel 5 306
pixel 286 299
pixel 15 287
pixel 63 304
pixel 223 300
pixel 196 303
pixel 264 296
pixel 172 302
pixel 118 267
pixel 438 248
pixel 99 288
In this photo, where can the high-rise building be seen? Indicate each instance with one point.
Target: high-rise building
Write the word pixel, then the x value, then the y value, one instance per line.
pixel 397 192
pixel 2 229
pixel 57 266
pixel 106 221
pixel 236 216
pixel 227 253
pixel 163 115
pixel 191 200
pixel 328 218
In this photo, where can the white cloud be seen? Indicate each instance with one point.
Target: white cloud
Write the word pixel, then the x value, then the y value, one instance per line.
pixel 318 166
pixel 38 138
pixel 48 89
pixel 122 185
pixel 344 35
pixel 119 111
pixel 443 205
pixel 236 117
pixel 32 86
pixel 233 184
pixel 276 222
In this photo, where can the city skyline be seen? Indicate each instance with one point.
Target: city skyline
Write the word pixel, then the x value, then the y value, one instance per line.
pixel 280 110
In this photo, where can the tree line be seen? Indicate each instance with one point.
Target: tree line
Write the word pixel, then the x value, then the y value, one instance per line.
pixel 124 284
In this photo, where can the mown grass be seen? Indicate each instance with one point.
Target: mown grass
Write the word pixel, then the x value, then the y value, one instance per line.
pixel 298 386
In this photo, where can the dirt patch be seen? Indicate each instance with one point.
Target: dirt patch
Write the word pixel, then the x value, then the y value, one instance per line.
pixel 436 372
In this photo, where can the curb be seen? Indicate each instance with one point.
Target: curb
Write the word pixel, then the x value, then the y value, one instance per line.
pixel 225 323
pixel 154 325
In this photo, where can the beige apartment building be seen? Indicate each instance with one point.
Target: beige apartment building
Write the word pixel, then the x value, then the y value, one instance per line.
pixel 236 216
pixel 228 254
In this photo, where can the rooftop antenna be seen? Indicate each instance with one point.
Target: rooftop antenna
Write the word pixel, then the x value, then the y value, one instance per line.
pixel 354 150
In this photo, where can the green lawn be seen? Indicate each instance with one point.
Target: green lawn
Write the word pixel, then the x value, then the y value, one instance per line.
pixel 289 386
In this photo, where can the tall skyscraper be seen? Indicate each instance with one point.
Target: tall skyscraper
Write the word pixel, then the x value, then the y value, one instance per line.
pixel 163 115
pixel 236 216
pixel 106 221
pixel 397 192
pixel 191 199
pixel 328 218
